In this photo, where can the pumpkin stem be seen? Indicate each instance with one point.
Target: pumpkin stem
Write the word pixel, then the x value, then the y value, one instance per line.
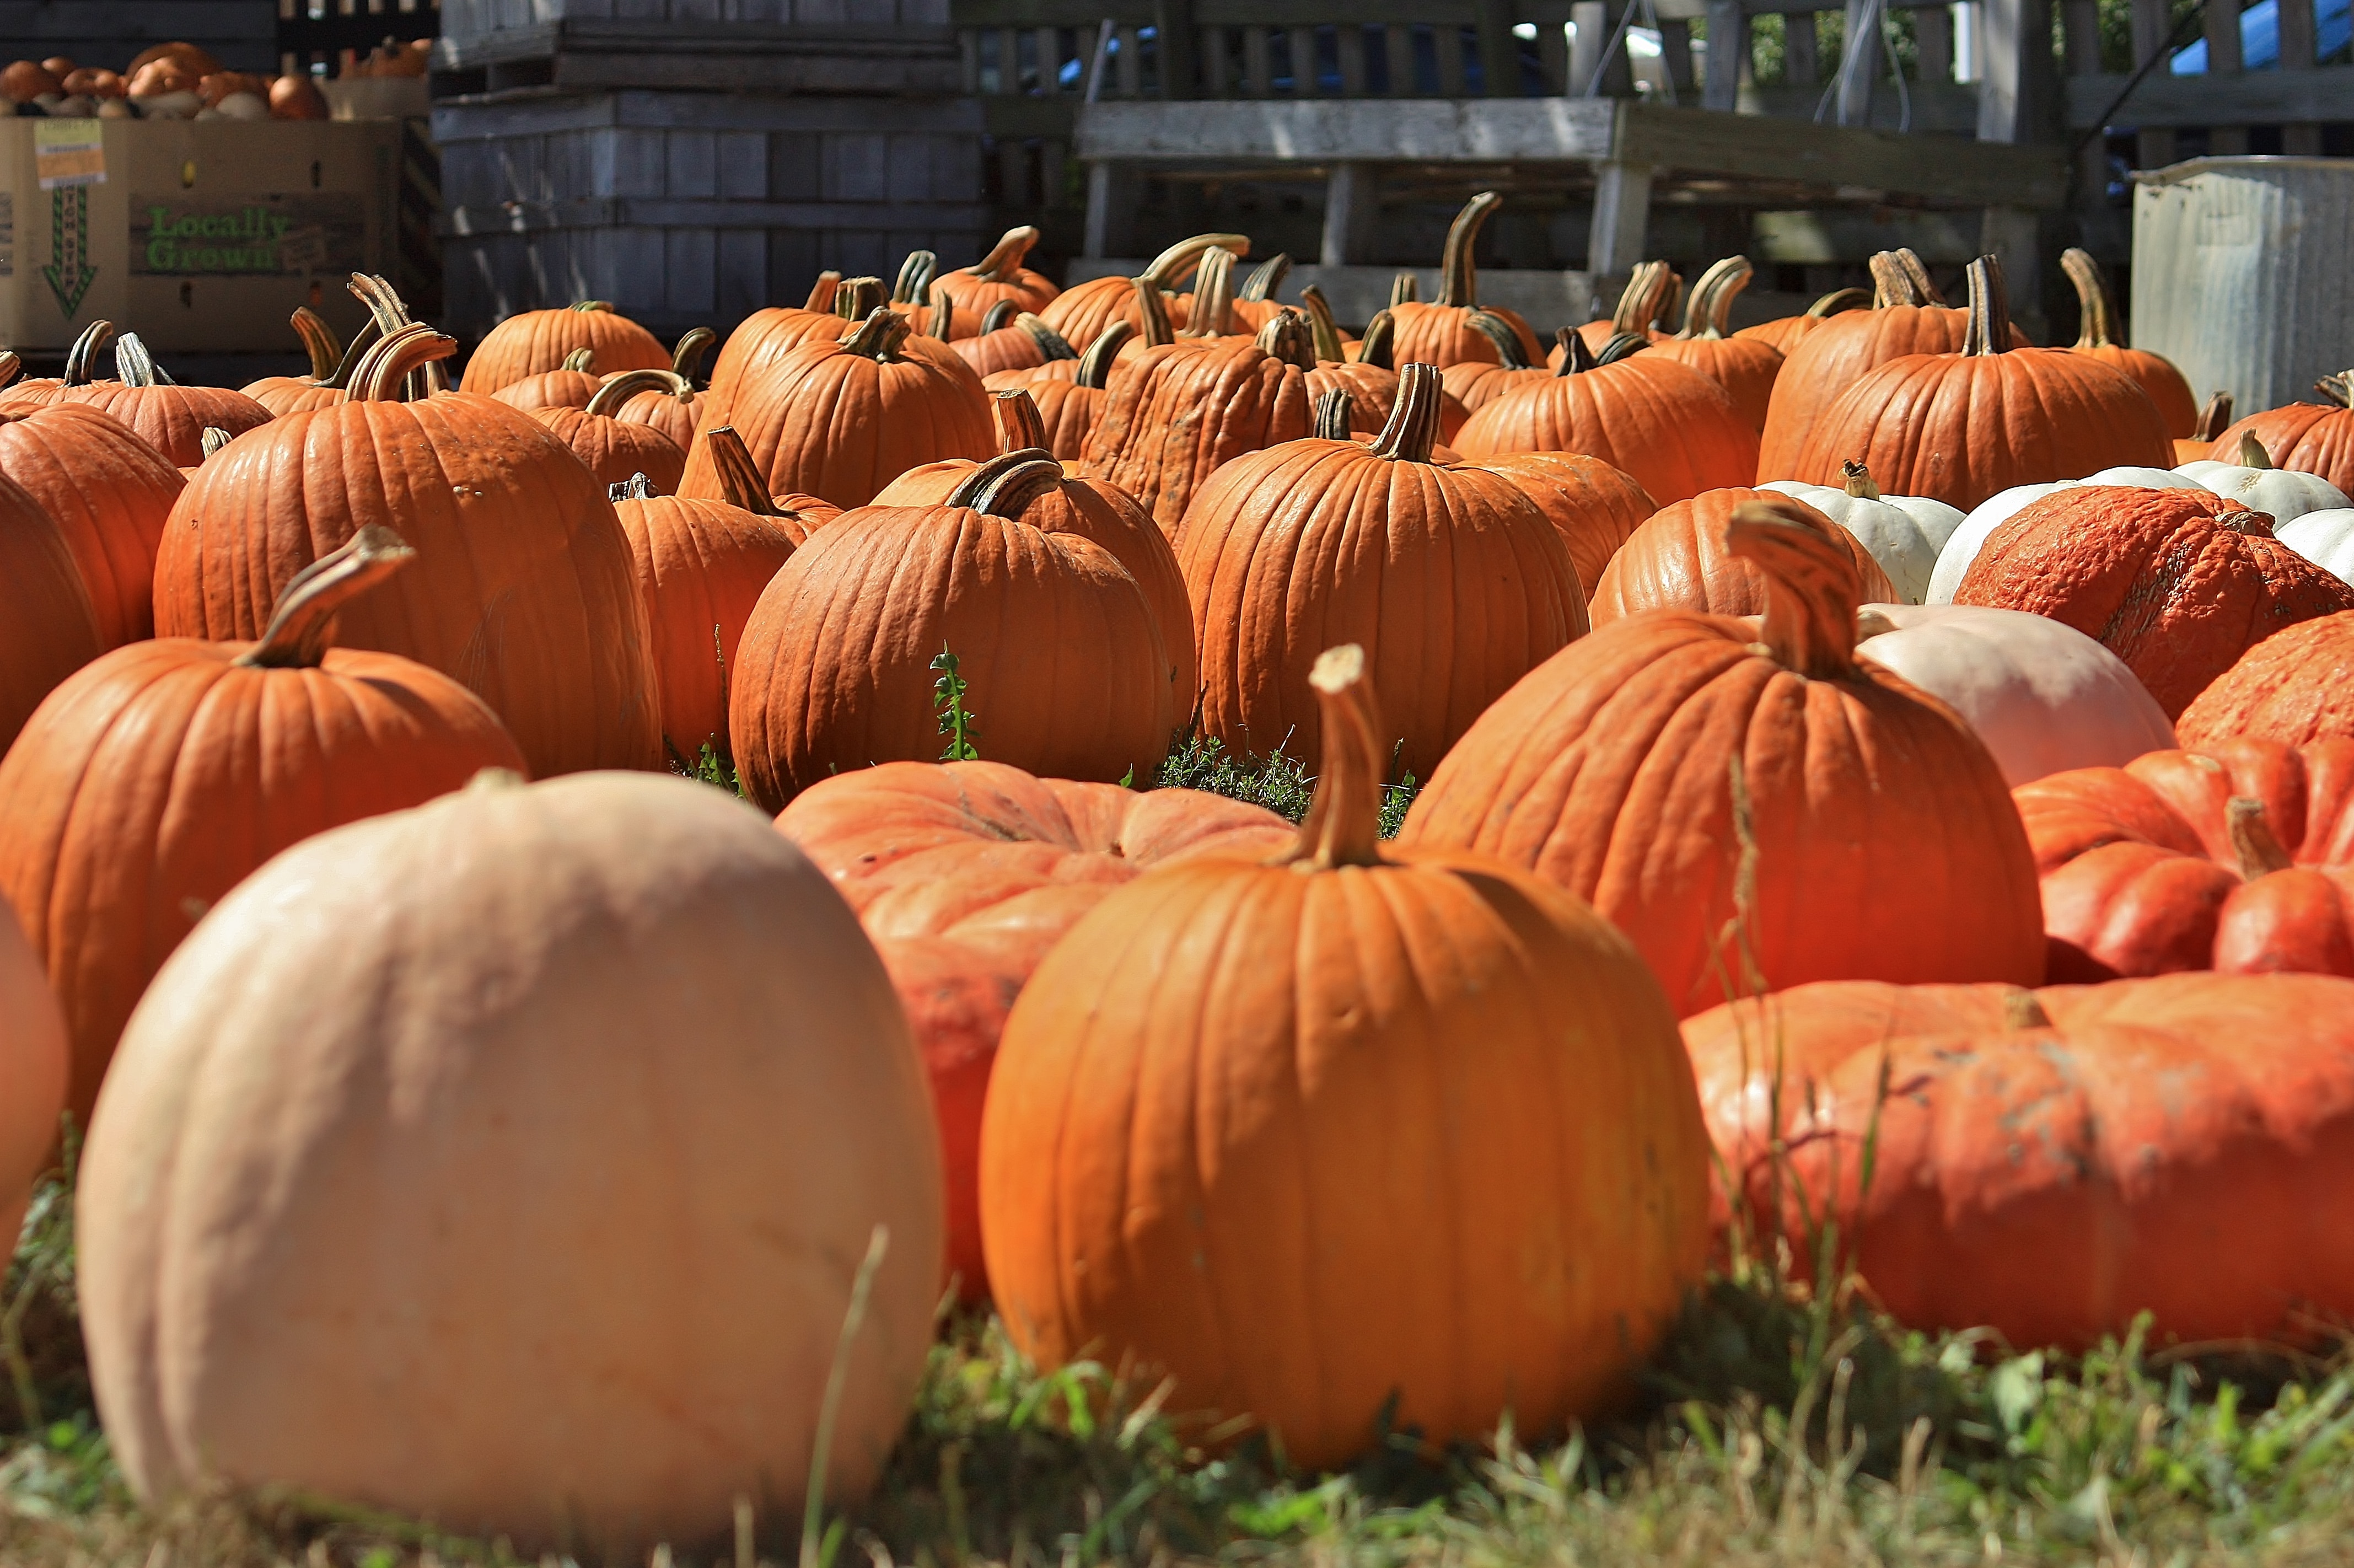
pixel 1266 278
pixel 822 292
pixel 1859 480
pixel 390 311
pixel 878 337
pixel 1007 484
pixel 1378 346
pixel 9 366
pixel 1214 297
pixel 1344 816
pixel 1005 258
pixel 1576 356
pixel 371 333
pixel 1333 412
pixel 1893 284
pixel 1811 588
pixel 1330 349
pixel 2215 419
pixel 1095 364
pixel 1152 311
pixel 1917 271
pixel 914 284
pixel 637 487
pixel 741 483
pixel 857 297
pixel 999 315
pixel 1989 328
pixel 1019 428
pixel 1510 351
pixel 211 439
pixel 2255 845
pixel 1711 310
pixel 1051 343
pixel 134 367
pixel 1839 300
pixel 1413 425
pixel 2251 452
pixel 1622 345
pixel 1406 288
pixel 304 623
pixel 1183 257
pixel 2097 307
pixel 583 360
pixel 587 306
pixel 1645 297
pixel 408 348
pixel 2337 388
pixel 1458 281
pixel 687 359
pixel 1286 336
pixel 87 344
pixel 2022 1010
pixel 319 341
pixel 620 388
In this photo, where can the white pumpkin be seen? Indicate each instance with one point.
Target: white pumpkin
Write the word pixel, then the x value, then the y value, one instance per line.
pixel 2042 695
pixel 1963 544
pixel 2146 478
pixel 2324 537
pixel 2285 493
pixel 1904 532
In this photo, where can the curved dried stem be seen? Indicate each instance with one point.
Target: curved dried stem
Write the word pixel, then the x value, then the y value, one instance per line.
pixel 2251 452
pixel 878 337
pixel 1406 288
pixel 134 367
pixel 1334 410
pixel 2022 1010
pixel 1892 283
pixel 1286 337
pixel 1710 312
pixel 10 366
pixel 914 284
pixel 410 348
pixel 1646 295
pixel 1330 349
pixel 1015 415
pixel 1857 480
pixel 1918 271
pixel 303 626
pixel 622 385
pixel 1152 310
pixel 2337 388
pixel 693 346
pixel 1377 347
pixel 1344 816
pixel 1173 264
pixel 1007 484
pixel 1576 356
pixel 1000 314
pixel 2096 304
pixel 2215 419
pixel 1095 364
pixel 581 360
pixel 1622 345
pixel 371 333
pixel 1266 278
pixel 1006 257
pixel 822 292
pixel 1838 301
pixel 1413 427
pixel 1213 314
pixel 741 483
pixel 1051 343
pixel 210 439
pixel 1990 327
pixel 587 306
pixel 319 341
pixel 1459 278
pixel 88 344
pixel 2255 848
pixel 1510 352
pixel 1811 588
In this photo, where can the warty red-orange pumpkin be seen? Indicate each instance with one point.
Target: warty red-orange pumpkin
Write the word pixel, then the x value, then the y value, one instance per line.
pixel 2296 687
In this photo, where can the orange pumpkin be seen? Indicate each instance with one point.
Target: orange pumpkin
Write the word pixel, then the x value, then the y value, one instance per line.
pixel 1634 766
pixel 1023 343
pixel 570 385
pixel 965 873
pixel 109 493
pixel 1058 642
pixel 1082 311
pixel 2215 419
pixel 1440 332
pixel 835 305
pixel 1202 1079
pixel 522 589
pixel 1679 559
pixel 47 628
pixel 1745 367
pixel 670 404
pixel 613 449
pixel 2096 336
pixel 170 418
pixel 1594 507
pixel 536 342
pixel 1648 300
pixel 1068 393
pixel 330 369
pixel 998 278
pixel 2296 687
pixel 2308 437
pixel 33 1056
pixel 157 777
pixel 1785 334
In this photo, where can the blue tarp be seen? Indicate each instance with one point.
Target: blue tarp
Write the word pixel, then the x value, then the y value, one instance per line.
pixel 2260 36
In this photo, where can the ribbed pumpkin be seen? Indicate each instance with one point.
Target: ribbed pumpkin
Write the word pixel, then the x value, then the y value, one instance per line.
pixel 1452 579
pixel 1745 367
pixel 2056 1161
pixel 331 368
pixel 2097 336
pixel 1315 1096
pixel 156 779
pixel 1624 768
pixel 1672 430
pixel 81 367
pixel 1476 383
pixel 1593 506
pixel 1908 316
pixel 1083 310
pixel 1905 534
pixel 2296 687
pixel 670 404
pixel 1786 333
pixel 170 418
pixel 998 278
pixel 1649 298
pixel 1681 558
pixel 2237 856
pixel 2310 438
pixel 1961 427
pixel 613 449
pixel 1087 508
pixel 47 628
pixel 109 493
pixel 1068 404
pixel 535 342
pixel 1184 410
pixel 2177 583
pixel 1023 343
pixel 1059 643
pixel 1440 332
pixel 33 1056
pixel 701 566
pixel 523 589
pixel 835 305
pixel 965 873
pixel 843 419
pixel 629 1008
pixel 570 386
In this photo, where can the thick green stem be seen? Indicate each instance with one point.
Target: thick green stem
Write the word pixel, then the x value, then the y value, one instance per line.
pixel 914 285
pixel 1005 258
pixel 87 345
pixel 1334 410
pixel 1377 347
pixel 1510 351
pixel 1839 300
pixel 1051 343
pixel 1164 269
pixel 134 367
pixel 1649 290
pixel 1000 314
pixel 1152 309
pixel 1266 278
pixel 1214 297
pixel 1406 288
pixel 1576 357
pixel 2215 419
pixel 686 359
pixel 581 360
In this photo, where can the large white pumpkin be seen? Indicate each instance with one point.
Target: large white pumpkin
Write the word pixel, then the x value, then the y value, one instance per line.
pixel 1904 532
pixel 1963 544
pixel 2325 538
pixel 2043 696
pixel 506 1162
pixel 2285 493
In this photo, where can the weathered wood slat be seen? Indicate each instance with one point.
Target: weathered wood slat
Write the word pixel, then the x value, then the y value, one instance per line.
pixel 1800 66
pixel 2250 98
pixel 1397 46
pixel 1351 38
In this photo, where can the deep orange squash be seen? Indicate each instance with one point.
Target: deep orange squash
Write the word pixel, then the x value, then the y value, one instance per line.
pixel 570 385
pixel 2296 687
pixel 1593 506
pixel 47 628
pixel 998 278
pixel 170 418
pixel 613 449
pixel 1192 1124
pixel 109 493
pixel 1611 770
pixel 1745 367
pixel 1679 559
pixel 33 1056
pixel 1083 310
pixel 2097 336
pixel 536 342
pixel 1786 333
pixel 670 404
pixel 2308 438
pixel 1068 394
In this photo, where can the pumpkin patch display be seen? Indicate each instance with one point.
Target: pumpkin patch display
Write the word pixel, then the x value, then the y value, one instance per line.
pixel 330 367
pixel 637 1014
pixel 611 448
pixel 1786 333
pixel 109 493
pixel 535 342
pixel 570 385
pixel 1083 310
pixel 1905 534
pixel 47 628
pixel 1636 766
pixel 2177 583
pixel 2252 480
pixel 1594 507
pixel 997 279
pixel 168 416
pixel 1204 1079
pixel 154 778
pixel 1454 580
pixel 2296 686
pixel 2097 337
pixel 2058 1160
pixel 966 875
pixel 1059 643
pixel 2314 438
pixel 523 589
pixel 1681 559
pixel 1745 367
pixel 668 401
pixel 1440 332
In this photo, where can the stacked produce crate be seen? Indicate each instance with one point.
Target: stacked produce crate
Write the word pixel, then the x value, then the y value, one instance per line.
pixel 692 160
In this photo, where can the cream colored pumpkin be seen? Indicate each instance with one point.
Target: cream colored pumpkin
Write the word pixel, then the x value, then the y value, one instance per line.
pixel 506 1163
pixel 2043 696
pixel 1962 545
pixel 2325 537
pixel 2283 493
pixel 1904 532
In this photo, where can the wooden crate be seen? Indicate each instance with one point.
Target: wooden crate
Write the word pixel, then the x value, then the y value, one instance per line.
pixel 693 209
pixel 828 47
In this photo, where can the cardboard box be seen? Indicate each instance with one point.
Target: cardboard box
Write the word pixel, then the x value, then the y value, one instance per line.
pixel 201 236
